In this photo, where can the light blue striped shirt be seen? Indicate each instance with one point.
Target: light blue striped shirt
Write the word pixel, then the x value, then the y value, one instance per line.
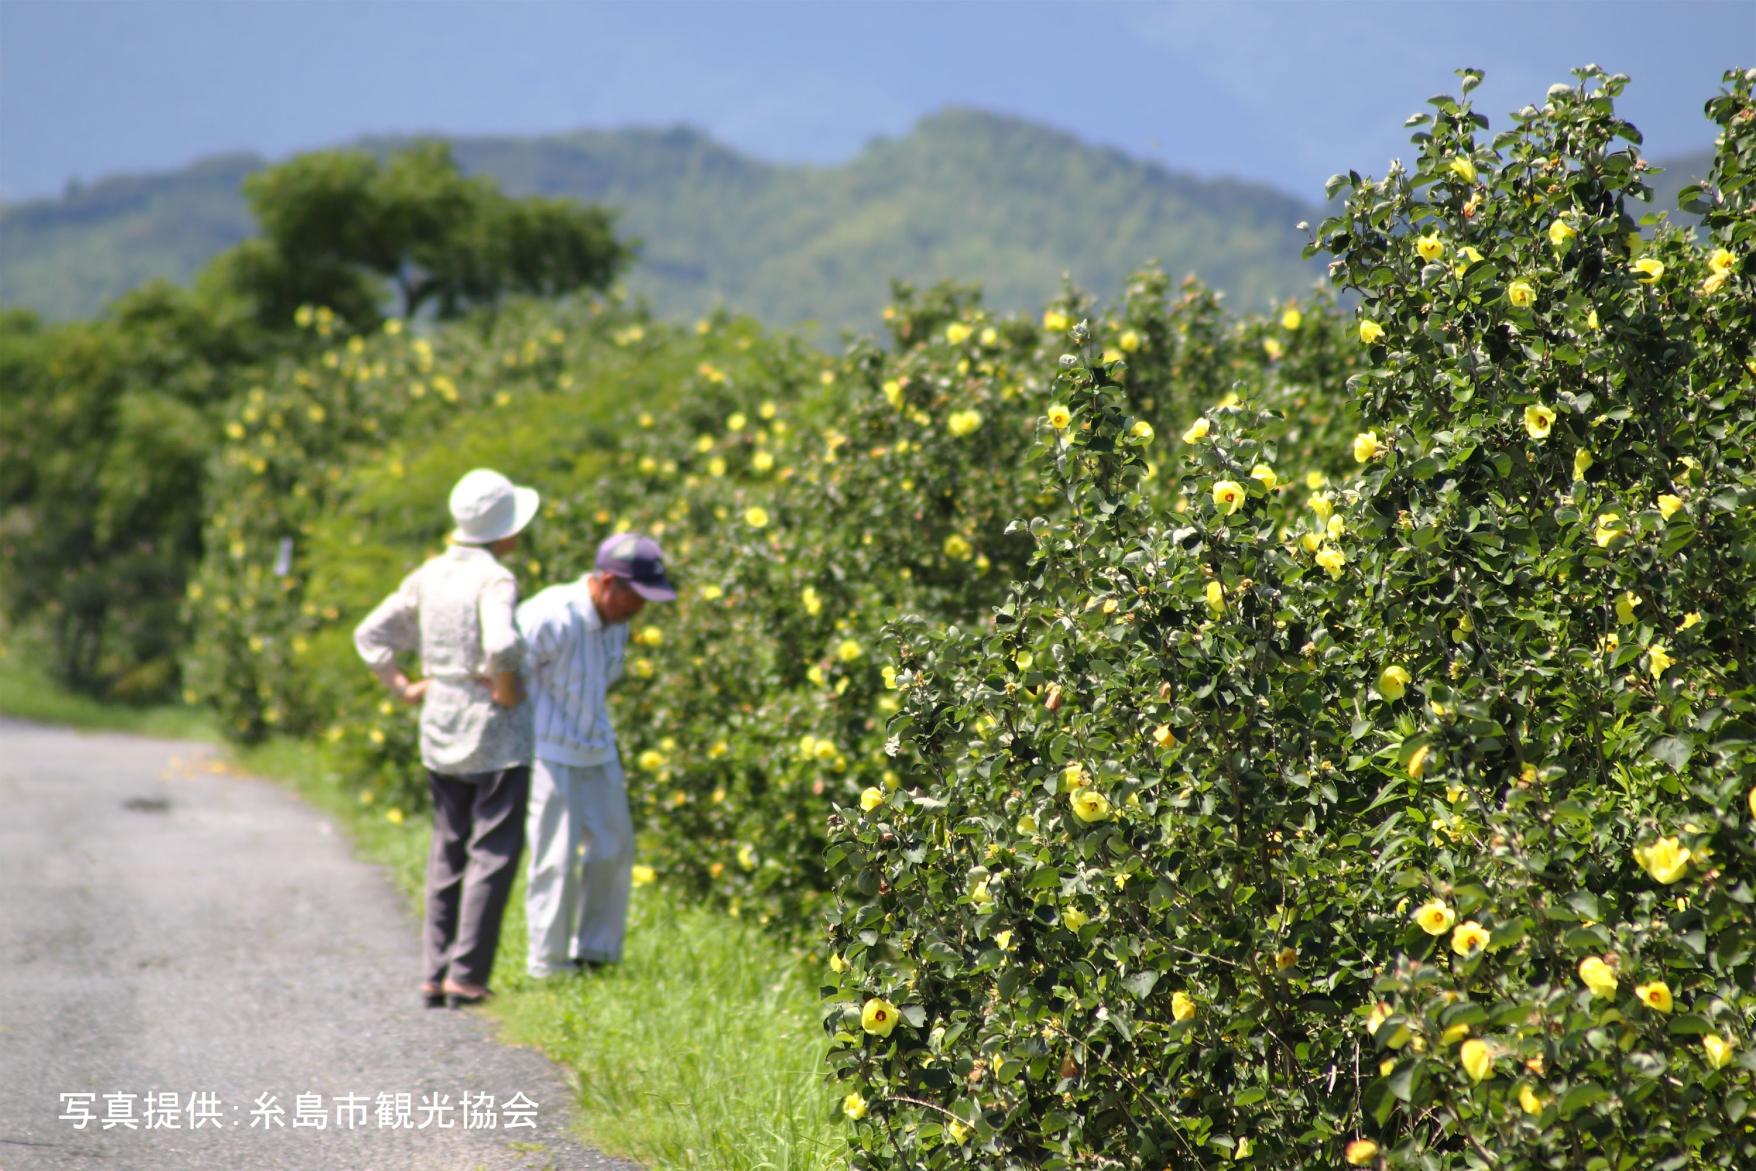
pixel 573 659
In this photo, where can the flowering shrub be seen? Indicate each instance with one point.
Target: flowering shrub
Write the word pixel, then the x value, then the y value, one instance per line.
pixel 1405 821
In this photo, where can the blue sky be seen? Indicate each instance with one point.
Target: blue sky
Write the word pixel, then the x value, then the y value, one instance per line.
pixel 1280 92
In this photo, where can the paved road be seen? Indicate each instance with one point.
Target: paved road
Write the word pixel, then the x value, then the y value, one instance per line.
pixel 167 928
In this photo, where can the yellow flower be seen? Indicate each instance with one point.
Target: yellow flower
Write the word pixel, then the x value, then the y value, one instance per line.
pixel 1538 419
pixel 878 1017
pixel 848 650
pixel 1264 475
pixel 1366 446
pixel 1074 918
pixel 1591 321
pixel 1332 559
pixel 957 333
pixel 854 1106
pixel 1692 618
pixel 1625 607
pixel 1582 461
pixel 1073 777
pixel 1722 260
pixel 1142 430
pixel 1163 736
pixel 393 816
pixel 1668 505
pixel 756 516
pixel 736 421
pixel 1658 660
pixel 1089 805
pixel 871 798
pixel 1665 859
pixel 1597 976
pixel 650 761
pixel 1521 293
pixel 1196 431
pixel 957 1130
pixel 1714 283
pixel 1228 496
pixel 1454 1034
pixel 1003 939
pixel 1471 255
pixel 1286 957
pixel 1649 268
pixel 1244 1149
pixel 1656 995
pixel 1129 341
pixel 1291 318
pixel 1216 597
pixel 1393 680
pixel 1463 168
pixel 957 548
pixel 1435 917
pixel 642 875
pixel 762 461
pixel 1370 331
pixel 1476 1058
pixel 1182 1006
pixel 1273 348
pixel 1417 763
pixel 1361 1152
pixel 1468 938
pixel 1607 529
pixel 1560 233
pixel 1752 800
pixel 1430 247
pixel 1059 417
pixel 1719 1050
pixel 893 392
pixel 651 636
pixel 1528 1098
pixel 961 423
pixel 1055 322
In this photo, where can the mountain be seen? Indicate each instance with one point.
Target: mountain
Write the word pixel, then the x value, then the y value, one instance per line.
pixel 965 194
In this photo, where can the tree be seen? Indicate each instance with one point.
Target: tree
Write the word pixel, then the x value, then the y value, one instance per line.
pixel 345 229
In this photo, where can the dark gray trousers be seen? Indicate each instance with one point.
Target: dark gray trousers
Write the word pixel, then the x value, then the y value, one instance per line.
pixel 478 834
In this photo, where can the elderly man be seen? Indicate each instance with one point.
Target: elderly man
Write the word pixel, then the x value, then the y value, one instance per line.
pixel 458 610
pixel 576 633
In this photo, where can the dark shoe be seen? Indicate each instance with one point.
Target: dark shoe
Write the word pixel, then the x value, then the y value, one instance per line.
pixel 581 964
pixel 464 995
pixel 433 996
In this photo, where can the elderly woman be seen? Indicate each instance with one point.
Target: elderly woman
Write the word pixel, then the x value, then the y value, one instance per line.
pixel 457 611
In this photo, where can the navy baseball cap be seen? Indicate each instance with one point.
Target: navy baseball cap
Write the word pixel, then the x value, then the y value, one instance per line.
pixel 639 561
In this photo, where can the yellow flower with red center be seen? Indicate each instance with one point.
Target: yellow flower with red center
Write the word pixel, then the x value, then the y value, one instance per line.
pixel 1665 860
pixel 878 1017
pixel 1468 938
pixel 1598 976
pixel 1435 917
pixel 1059 417
pixel 1089 805
pixel 1538 420
pixel 1228 496
pixel 1721 260
pixel 1430 247
pixel 1656 995
pixel 1521 293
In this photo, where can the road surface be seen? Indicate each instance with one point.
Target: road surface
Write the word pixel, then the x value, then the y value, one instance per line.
pixel 198 953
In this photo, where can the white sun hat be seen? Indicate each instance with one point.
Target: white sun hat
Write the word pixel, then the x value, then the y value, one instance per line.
pixel 488 507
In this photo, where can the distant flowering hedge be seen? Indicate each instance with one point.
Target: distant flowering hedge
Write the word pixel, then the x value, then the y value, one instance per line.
pixel 1407 823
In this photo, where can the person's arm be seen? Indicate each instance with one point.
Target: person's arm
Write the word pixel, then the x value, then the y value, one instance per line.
pixel 393 628
pixel 615 652
pixel 502 645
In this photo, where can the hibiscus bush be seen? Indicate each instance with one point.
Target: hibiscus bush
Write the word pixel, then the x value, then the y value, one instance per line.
pixel 1400 819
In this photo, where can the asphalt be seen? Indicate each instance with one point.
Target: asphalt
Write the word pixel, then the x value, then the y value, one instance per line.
pixel 169 928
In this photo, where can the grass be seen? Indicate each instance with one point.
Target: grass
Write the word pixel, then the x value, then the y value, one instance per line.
pixel 702 1051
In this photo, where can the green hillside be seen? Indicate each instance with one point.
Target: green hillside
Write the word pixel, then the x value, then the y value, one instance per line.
pixel 966 194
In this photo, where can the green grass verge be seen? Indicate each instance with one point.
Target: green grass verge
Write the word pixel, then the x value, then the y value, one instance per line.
pixel 702 1051
pixel 30 695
